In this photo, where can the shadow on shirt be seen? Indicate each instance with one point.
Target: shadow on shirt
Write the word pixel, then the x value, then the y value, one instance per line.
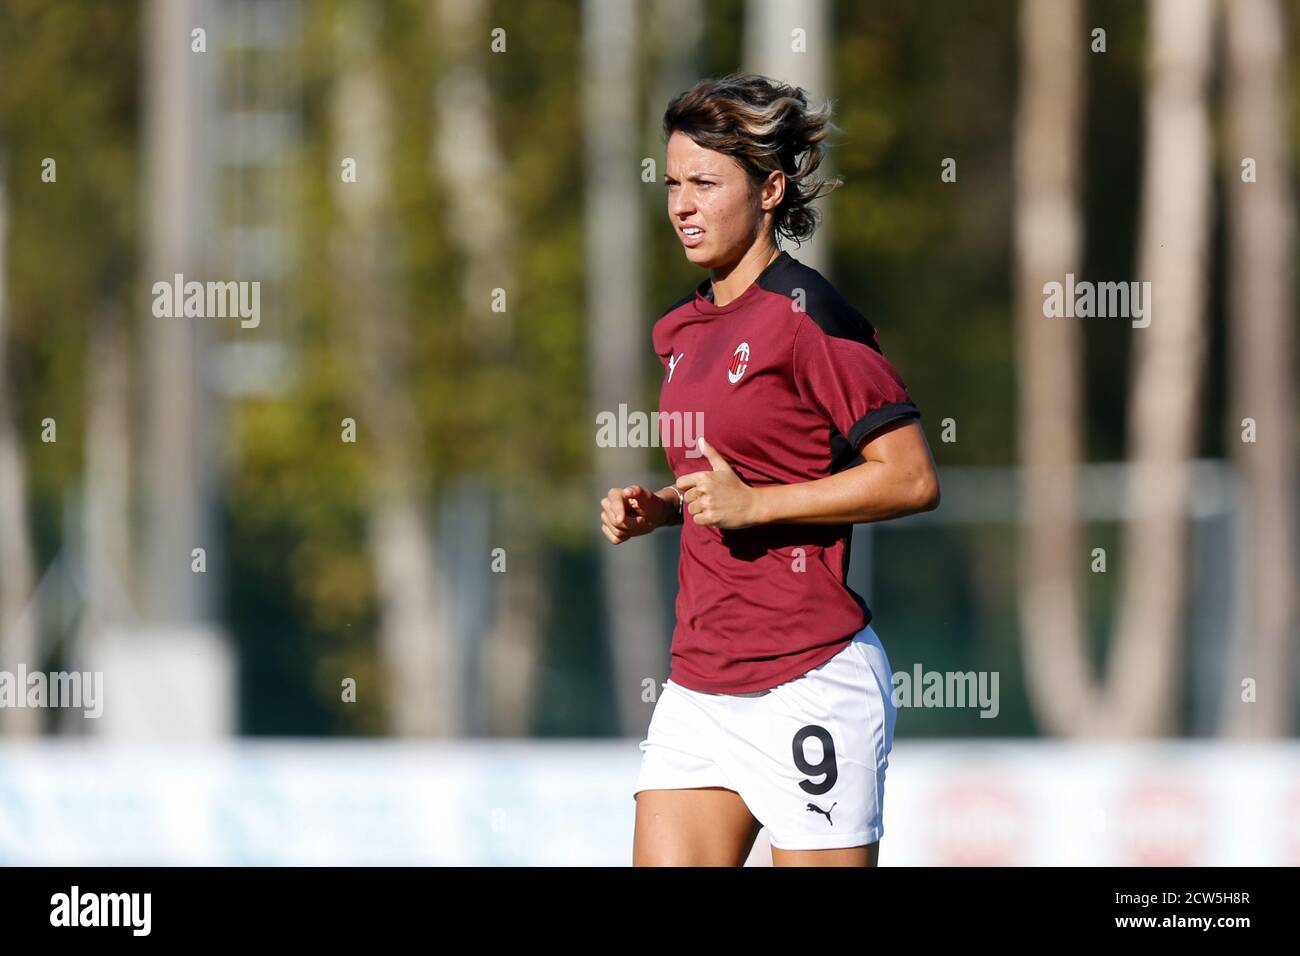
pixel 750 544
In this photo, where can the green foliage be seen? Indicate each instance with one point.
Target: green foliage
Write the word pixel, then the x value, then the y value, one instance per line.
pixel 67 92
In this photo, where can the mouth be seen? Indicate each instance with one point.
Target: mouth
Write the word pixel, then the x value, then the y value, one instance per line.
pixel 691 235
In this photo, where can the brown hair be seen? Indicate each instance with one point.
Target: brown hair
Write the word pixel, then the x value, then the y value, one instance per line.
pixel 764 125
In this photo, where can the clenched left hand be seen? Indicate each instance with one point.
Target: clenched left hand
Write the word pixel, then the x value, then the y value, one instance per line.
pixel 718 498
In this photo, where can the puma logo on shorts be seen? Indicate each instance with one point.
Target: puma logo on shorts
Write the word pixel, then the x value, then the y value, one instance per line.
pixel 794 753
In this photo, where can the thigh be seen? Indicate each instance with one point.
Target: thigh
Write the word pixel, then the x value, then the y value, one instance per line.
pixel 848 856
pixel 705 826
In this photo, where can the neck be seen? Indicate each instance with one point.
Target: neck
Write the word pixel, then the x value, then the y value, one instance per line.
pixel 730 281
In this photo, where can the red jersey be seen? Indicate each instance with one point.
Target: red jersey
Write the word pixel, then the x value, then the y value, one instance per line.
pixel 787 382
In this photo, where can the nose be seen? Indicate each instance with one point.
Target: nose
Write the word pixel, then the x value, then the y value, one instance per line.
pixel 681 202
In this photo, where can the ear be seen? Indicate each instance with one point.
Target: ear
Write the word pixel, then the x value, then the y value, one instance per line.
pixel 773 190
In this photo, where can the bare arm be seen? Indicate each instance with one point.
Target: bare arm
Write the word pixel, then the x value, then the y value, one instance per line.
pixel 898 477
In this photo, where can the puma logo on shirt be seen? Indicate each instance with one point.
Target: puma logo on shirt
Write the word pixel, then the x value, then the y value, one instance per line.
pixel 672 364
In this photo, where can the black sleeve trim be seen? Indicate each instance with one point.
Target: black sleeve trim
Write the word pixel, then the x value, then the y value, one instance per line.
pixel 875 419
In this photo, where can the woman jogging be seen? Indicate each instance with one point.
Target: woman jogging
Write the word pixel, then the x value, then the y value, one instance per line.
pixel 777 710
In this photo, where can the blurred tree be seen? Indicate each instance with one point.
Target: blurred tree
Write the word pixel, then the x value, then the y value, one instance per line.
pixel 110 578
pixel 673 37
pixel 791 42
pixel 1138 695
pixel 423 665
pixel 177 412
pixel 1049 354
pixel 1145 663
pixel 615 259
pixel 69 120
pixel 674 33
pixel 18 633
pixel 1261 221
pixel 479 224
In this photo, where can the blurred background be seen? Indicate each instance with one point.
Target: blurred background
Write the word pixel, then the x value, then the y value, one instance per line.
pixel 337 562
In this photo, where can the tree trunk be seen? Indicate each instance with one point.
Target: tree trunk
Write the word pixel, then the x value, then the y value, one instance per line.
pixel 107 490
pixel 1049 352
pixel 770 49
pixel 421 663
pixel 1145 665
pixel 618 336
pixel 675 35
pixel 18 632
pixel 176 167
pixel 1261 343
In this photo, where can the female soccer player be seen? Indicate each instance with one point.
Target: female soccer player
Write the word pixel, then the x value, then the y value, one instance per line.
pixel 778 708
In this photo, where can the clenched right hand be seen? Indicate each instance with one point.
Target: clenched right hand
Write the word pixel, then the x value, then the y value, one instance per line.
pixel 629 512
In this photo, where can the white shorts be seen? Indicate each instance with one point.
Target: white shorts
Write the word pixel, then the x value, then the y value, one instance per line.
pixel 808 757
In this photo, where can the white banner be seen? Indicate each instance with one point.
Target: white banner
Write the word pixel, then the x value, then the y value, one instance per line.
pixel 540 803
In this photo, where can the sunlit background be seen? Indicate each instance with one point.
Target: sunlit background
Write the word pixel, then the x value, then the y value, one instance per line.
pixel 336 562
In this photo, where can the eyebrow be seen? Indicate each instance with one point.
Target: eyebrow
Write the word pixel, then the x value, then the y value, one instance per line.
pixel 693 177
